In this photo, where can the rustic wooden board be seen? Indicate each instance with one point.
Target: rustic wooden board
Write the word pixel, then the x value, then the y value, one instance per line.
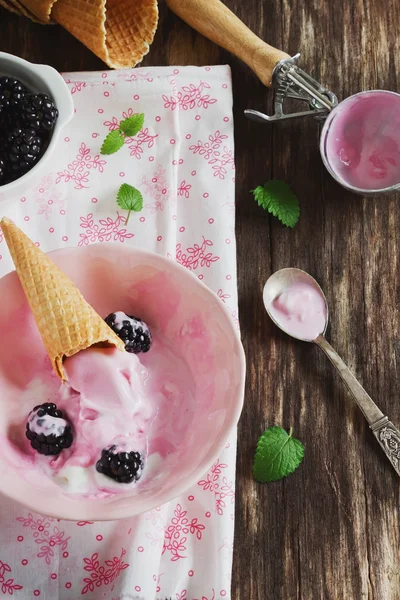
pixel 330 531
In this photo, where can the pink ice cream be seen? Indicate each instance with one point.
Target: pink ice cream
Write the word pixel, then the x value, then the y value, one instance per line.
pixel 361 140
pixel 300 310
pixel 116 398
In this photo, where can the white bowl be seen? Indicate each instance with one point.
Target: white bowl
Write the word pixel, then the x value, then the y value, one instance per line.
pixel 175 304
pixel 38 79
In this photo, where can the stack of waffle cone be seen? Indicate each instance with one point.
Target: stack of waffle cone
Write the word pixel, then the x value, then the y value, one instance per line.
pixel 117 31
pixel 66 322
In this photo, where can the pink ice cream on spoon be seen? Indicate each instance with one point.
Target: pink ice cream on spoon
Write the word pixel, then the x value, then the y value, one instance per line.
pixel 296 304
pixel 300 311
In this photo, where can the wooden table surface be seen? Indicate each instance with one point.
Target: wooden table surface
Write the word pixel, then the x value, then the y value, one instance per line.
pixel 331 530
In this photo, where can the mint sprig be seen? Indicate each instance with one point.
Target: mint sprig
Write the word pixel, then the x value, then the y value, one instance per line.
pixel 128 127
pixel 113 142
pixel 129 198
pixel 278 199
pixel 132 125
pixel 278 455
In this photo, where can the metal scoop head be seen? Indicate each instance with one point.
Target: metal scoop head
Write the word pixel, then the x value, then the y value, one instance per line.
pixel 289 81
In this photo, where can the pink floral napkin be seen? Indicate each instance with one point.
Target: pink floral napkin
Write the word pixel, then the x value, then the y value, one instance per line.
pixel 183 163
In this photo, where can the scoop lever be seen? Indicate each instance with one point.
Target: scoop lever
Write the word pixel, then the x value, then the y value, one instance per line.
pixel 289 81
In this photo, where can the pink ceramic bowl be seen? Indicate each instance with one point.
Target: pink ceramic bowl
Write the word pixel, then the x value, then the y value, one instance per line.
pixel 167 297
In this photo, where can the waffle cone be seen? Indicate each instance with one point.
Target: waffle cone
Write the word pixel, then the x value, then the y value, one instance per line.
pixel 66 322
pixel 40 8
pixel 117 31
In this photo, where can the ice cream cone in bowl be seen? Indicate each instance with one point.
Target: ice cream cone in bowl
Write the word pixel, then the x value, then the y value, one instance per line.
pixel 121 379
pixel 66 322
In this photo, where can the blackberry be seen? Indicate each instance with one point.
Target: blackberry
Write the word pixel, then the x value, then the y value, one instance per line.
pixel 3 170
pixel 26 124
pixel 133 331
pixel 11 134
pixel 39 112
pixel 123 467
pixel 12 93
pixel 24 147
pixel 11 120
pixel 47 430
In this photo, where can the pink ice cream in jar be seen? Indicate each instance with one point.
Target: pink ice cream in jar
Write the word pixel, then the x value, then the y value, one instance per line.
pixel 360 142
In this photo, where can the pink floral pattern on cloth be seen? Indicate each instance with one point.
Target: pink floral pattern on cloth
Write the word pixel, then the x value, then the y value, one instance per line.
pixel 183 163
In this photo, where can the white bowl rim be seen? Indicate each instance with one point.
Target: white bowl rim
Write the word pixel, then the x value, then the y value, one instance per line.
pixel 34 502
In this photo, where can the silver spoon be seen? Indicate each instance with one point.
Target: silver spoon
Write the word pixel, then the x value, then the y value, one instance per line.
pixel 384 430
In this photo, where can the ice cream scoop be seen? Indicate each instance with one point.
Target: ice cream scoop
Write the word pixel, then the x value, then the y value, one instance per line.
pixel 377 152
pixel 297 305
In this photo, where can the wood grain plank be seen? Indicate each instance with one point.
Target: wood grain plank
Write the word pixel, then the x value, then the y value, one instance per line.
pixel 331 530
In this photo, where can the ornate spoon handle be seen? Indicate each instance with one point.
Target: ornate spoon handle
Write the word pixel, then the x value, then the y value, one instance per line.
pixel 385 432
pixel 388 437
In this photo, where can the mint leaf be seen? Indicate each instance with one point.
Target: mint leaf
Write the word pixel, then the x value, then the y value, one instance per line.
pixel 278 454
pixel 116 138
pixel 278 199
pixel 132 125
pixel 113 142
pixel 260 197
pixel 129 198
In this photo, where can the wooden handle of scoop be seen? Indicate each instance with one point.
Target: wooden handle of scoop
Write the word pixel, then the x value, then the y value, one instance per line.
pixel 215 21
